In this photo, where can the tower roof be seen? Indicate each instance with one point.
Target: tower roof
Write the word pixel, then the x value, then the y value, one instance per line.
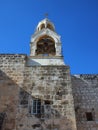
pixel 45 23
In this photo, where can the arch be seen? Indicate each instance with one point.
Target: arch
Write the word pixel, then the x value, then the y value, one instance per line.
pixel 45 45
pixel 50 27
pixel 42 26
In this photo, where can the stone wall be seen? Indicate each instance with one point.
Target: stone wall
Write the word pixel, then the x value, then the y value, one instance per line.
pixel 50 84
pixel 85 92
pixel 20 85
pixel 11 79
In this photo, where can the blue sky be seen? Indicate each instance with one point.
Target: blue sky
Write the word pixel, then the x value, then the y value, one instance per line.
pixel 75 20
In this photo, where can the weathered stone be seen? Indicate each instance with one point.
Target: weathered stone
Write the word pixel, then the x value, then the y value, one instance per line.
pixel 37 92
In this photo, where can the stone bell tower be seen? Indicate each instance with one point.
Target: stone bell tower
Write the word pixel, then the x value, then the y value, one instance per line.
pixel 47 79
pixel 45 46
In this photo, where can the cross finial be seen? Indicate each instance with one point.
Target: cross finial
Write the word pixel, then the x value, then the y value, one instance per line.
pixel 46 15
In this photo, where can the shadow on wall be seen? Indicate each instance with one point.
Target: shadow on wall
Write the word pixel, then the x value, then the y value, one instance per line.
pixel 31 62
pixel 8 102
pixel 19 110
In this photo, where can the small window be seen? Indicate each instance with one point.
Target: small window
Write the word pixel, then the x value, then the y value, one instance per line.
pixel 47 102
pixel 36 106
pixel 89 116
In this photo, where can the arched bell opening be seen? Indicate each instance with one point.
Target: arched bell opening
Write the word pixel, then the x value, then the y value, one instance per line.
pixel 42 26
pixel 50 27
pixel 45 46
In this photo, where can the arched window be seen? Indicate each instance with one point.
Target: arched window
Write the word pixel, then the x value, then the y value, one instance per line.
pixel 45 46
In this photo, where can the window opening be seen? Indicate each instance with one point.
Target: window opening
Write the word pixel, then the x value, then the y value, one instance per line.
pixel 46 46
pixel 89 116
pixel 42 26
pixel 47 102
pixel 50 27
pixel 41 110
pixel 36 106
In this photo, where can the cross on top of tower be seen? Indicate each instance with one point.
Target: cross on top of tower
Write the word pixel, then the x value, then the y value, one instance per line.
pixel 46 15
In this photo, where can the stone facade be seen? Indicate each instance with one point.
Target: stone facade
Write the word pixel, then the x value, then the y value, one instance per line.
pixel 20 84
pixel 11 79
pixel 85 92
pixel 37 92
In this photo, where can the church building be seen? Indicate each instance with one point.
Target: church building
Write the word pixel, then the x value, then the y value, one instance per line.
pixel 38 92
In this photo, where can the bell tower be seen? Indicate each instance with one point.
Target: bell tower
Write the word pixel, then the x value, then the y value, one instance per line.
pixel 45 45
